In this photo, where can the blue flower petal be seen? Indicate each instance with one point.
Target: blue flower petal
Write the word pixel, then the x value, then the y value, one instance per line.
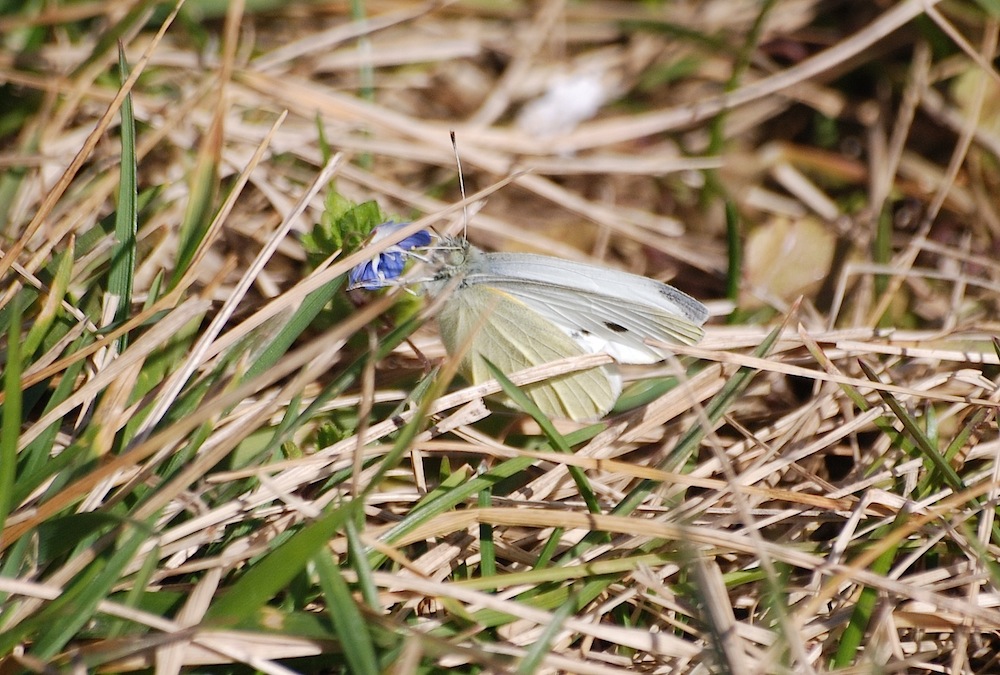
pixel 386 267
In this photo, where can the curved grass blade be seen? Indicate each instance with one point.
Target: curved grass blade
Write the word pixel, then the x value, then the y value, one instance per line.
pixel 555 438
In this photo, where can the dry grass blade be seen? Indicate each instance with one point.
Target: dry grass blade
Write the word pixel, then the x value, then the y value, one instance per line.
pixel 213 456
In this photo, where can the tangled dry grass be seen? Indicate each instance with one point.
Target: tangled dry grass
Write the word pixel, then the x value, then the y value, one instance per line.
pixel 209 457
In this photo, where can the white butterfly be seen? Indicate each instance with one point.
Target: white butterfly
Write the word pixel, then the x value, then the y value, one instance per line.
pixel 520 310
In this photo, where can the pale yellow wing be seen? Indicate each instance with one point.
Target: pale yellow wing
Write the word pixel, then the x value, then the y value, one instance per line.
pixel 514 337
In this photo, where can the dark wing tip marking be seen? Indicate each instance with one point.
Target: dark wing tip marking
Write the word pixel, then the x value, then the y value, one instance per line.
pixel 693 309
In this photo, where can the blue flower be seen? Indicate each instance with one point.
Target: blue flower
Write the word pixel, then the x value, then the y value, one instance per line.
pixel 387 266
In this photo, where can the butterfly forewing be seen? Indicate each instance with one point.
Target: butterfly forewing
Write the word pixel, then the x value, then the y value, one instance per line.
pixel 623 310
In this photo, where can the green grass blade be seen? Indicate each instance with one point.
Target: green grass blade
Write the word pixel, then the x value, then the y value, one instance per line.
pixel 966 435
pixel 37 463
pixel 850 642
pixel 10 418
pixel 62 619
pixel 276 569
pixel 52 307
pixel 137 14
pixel 351 627
pixel 16 560
pixel 293 327
pixel 359 562
pixel 344 379
pixel 204 188
pixel 714 411
pixel 134 596
pixel 440 502
pixel 123 254
pixel 533 659
pixel 913 430
pixel 555 438
pixel 487 545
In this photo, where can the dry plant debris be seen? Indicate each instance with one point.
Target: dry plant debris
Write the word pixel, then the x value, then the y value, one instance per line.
pixel 210 458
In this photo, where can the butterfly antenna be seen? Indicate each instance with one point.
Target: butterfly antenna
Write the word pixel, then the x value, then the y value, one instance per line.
pixel 461 187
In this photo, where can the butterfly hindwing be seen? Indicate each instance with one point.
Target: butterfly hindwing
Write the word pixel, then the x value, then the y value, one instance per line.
pixel 487 322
